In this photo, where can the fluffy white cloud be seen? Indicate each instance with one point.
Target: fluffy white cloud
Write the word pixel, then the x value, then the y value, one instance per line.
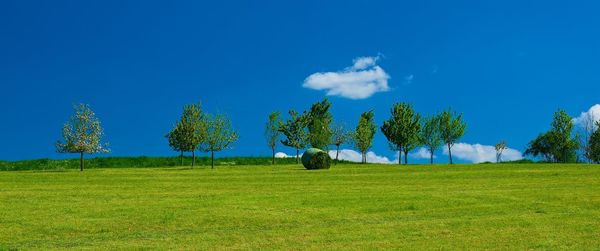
pixel 593 114
pixel 283 155
pixel 421 153
pixel 478 153
pixel 354 156
pixel 359 81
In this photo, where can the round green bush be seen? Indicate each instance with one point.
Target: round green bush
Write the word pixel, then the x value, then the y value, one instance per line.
pixel 315 158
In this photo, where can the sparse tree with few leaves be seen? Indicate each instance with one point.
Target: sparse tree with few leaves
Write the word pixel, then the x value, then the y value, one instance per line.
pixel 272 133
pixel 500 147
pixel 82 134
pixel 452 128
pixel 431 136
pixel 220 135
pixel 364 134
pixel 295 132
pixel 402 129
pixel 339 136
pixel 189 131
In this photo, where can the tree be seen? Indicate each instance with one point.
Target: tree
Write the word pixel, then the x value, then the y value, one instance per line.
pixel 318 122
pixel 294 130
pixel 541 146
pixel 339 136
pixel 189 131
pixel 431 135
pixel 402 129
pixel 558 144
pixel 594 144
pixel 82 134
pixel 220 135
pixel 364 134
pixel 500 147
pixel 175 138
pixel 452 128
pixel 272 133
pixel 588 127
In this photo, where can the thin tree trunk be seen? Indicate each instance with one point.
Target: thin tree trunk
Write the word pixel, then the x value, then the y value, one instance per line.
pixel 212 160
pixel 337 153
pixel 450 153
pixel 297 156
pixel 399 157
pixel 406 157
pixel 431 157
pixel 273 155
pixel 81 161
pixel 181 159
pixel 193 158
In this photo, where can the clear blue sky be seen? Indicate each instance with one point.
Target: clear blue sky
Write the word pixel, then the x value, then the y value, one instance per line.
pixel 506 65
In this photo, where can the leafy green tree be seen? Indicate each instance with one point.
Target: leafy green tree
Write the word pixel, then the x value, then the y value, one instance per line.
pixel 176 140
pixel 272 133
pixel 452 128
pixel 431 136
pixel 558 144
pixel 319 120
pixel 364 134
pixel 541 146
pixel 339 136
pixel 594 144
pixel 402 129
pixel 189 131
pixel 220 135
pixel 294 130
pixel 82 134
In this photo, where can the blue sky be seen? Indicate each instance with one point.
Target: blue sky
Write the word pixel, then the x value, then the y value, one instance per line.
pixel 506 65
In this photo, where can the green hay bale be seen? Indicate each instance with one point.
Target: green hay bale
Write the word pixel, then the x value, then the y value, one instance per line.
pixel 315 158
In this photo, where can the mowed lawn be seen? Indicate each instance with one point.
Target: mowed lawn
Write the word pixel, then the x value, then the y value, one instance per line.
pixel 506 206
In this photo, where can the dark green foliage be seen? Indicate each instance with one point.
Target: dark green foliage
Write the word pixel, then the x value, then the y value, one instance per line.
pixel 315 158
pixel 137 162
pixel 402 129
pixel 319 124
pixel 558 144
pixel 594 145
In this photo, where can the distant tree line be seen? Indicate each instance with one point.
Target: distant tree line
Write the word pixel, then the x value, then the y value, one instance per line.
pixel 561 144
pixel 404 130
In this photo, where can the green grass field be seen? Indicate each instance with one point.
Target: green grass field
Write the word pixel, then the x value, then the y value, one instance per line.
pixel 510 206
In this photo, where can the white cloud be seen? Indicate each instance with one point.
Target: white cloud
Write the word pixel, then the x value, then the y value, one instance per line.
pixel 593 113
pixel 354 156
pixel 421 153
pixel 359 81
pixel 283 155
pixel 478 153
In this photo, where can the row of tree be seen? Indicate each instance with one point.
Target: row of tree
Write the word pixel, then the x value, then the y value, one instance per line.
pixel 197 130
pixel 405 130
pixel 561 144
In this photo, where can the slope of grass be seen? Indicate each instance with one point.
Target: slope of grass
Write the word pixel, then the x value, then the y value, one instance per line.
pixel 512 207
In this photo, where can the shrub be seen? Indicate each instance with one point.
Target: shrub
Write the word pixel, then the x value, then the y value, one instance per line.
pixel 315 158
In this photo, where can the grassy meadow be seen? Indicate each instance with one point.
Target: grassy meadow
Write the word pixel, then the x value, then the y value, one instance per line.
pixel 351 206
